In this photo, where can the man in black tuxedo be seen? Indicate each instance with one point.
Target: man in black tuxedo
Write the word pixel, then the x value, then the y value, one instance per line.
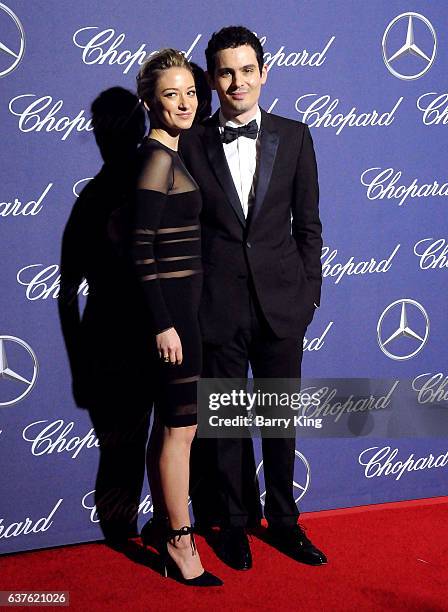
pixel 262 245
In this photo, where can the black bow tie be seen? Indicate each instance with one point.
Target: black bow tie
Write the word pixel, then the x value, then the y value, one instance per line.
pixel 250 130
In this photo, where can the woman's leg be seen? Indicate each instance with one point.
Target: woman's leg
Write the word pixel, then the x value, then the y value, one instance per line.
pixel 174 475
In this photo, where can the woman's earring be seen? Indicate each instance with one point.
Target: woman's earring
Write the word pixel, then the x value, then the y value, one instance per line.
pixel 146 106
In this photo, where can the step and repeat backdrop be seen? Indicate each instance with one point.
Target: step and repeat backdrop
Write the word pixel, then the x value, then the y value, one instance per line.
pixel 369 78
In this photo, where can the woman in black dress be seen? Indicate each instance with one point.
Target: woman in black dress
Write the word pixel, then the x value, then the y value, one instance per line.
pixel 166 253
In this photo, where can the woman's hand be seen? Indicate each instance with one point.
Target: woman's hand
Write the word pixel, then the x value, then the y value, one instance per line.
pixel 169 346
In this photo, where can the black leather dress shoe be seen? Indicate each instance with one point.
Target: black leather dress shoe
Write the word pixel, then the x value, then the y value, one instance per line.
pixel 293 542
pixel 233 548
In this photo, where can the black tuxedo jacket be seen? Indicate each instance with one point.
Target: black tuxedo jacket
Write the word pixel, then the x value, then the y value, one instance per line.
pixel 280 247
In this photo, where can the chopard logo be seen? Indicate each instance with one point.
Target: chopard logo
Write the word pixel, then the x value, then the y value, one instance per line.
pixel 115 505
pixel 432 253
pixel 12 41
pixel 320 113
pixel 379 462
pixel 315 344
pixel 57 437
pixel 416 332
pixel 23 376
pixel 434 108
pixel 54 438
pixel 431 388
pixel 41 114
pixel 17 207
pixel 105 47
pixel 43 282
pixel 295 58
pixel 383 184
pixel 29 526
pixel 351 267
pixel 394 57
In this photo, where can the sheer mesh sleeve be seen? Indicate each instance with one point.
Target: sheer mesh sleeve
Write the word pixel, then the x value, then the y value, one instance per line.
pixel 157 171
pixel 154 182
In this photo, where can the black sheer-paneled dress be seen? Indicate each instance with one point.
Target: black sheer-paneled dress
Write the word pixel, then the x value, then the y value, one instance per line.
pixel 166 253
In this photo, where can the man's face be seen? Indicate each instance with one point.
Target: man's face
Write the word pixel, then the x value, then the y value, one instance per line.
pixel 238 81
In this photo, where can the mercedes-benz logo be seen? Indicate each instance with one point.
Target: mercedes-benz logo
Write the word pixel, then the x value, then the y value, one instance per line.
pixel 417 339
pixel 24 381
pixel 409 48
pixel 302 473
pixel 12 43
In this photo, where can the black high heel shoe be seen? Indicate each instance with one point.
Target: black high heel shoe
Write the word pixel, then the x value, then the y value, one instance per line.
pixel 206 579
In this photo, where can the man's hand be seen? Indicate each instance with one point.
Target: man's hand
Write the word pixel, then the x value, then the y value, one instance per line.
pixel 169 346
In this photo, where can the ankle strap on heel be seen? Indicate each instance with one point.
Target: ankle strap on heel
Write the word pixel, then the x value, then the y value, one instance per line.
pixel 174 534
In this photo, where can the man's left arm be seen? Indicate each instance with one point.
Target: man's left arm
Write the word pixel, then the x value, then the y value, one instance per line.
pixel 306 224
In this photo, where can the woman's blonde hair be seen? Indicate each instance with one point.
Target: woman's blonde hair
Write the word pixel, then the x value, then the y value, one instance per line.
pixel 153 66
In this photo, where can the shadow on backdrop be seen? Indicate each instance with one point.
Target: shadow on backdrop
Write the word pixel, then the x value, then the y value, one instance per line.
pixel 109 345
pixel 203 94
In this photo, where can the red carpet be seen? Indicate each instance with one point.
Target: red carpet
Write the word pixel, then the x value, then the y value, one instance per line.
pixel 383 557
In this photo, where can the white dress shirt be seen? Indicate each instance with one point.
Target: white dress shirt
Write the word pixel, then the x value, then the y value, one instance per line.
pixel 241 155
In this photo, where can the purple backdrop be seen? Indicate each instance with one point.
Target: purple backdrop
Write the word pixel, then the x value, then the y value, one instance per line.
pixel 378 120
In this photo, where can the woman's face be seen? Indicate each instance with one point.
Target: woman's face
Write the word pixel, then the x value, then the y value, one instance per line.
pixel 175 100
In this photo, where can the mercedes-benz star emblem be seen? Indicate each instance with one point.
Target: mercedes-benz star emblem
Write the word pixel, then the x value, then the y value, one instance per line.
pixel 394 56
pixel 302 471
pixel 12 41
pixel 23 377
pixel 416 339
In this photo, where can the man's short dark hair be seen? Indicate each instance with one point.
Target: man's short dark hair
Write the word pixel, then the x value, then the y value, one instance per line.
pixel 230 38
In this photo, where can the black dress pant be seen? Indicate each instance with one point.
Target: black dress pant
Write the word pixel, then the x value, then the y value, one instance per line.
pixel 224 485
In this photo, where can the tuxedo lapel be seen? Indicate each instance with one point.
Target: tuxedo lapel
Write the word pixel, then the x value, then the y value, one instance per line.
pixel 218 162
pixel 268 149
